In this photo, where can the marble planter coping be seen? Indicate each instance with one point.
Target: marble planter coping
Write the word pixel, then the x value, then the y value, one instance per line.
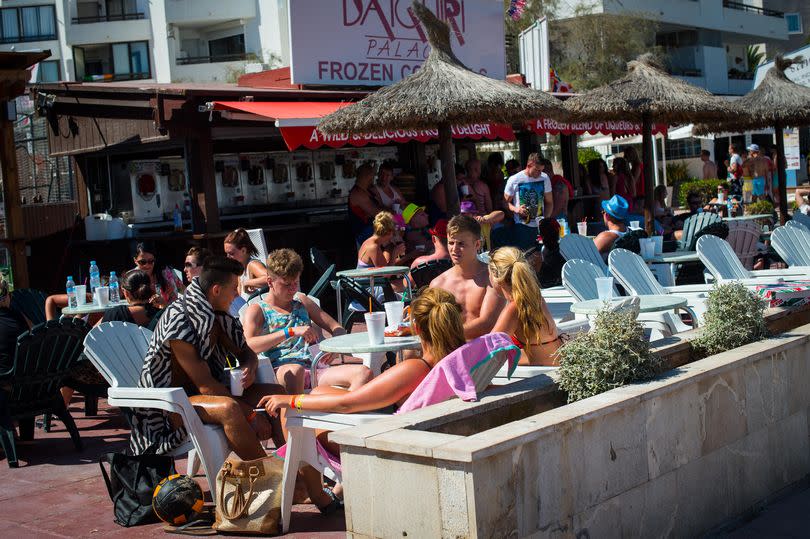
pixel 428 433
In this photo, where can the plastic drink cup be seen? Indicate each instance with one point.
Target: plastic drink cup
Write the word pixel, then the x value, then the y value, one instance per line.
pixel 81 294
pixel 102 294
pixel 634 225
pixel 604 287
pixel 265 373
pixel 236 381
pixel 582 229
pixel 393 313
pixel 659 244
pixel 647 248
pixel 465 190
pixel 375 325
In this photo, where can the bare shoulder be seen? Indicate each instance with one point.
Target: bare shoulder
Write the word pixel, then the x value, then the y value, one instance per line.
pixel 443 279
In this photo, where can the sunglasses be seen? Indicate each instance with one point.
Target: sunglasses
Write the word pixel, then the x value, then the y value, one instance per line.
pixel 190 265
pixel 145 261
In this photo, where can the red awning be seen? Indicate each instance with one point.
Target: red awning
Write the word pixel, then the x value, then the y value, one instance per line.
pixel 297 121
pixel 618 128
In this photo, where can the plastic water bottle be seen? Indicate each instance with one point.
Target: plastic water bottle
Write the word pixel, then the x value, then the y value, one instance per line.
pixel 71 292
pixel 95 276
pixel 115 293
pixel 177 217
pixel 729 206
pixel 158 291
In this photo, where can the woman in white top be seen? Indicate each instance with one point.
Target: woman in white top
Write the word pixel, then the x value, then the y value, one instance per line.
pixel 239 247
pixel 388 194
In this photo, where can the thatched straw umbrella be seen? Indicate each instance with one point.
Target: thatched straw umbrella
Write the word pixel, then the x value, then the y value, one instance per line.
pixel 442 93
pixel 777 102
pixel 648 94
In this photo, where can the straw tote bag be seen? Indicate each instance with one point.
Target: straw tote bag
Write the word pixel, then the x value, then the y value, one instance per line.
pixel 249 495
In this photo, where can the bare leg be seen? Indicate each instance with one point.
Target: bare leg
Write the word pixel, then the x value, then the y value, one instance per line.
pixel 225 411
pixel 350 376
pixel 252 396
pixel 291 378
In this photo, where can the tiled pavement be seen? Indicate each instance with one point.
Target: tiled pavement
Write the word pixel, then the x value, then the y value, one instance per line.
pixel 59 492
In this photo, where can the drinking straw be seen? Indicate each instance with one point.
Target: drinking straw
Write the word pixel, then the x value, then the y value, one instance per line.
pixel 370 309
pixel 227 361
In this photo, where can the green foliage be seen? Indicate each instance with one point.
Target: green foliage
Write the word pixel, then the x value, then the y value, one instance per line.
pixel 677 172
pixel 753 57
pixel 615 353
pixel 584 155
pixel 591 49
pixel 734 317
pixel 706 188
pixel 760 207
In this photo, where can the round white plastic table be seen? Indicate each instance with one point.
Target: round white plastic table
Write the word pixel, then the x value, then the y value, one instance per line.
pixel 357 344
pixel 370 274
pixel 91 308
pixel 648 304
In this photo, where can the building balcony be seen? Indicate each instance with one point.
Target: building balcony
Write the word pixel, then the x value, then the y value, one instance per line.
pixel 238 57
pixel 27 39
pixel 181 12
pixel 753 9
pixel 109 31
pixel 109 18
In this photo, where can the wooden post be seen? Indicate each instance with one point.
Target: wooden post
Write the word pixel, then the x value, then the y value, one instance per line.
pixel 649 182
pixel 781 166
pixel 420 159
pixel 15 234
pixel 447 155
pixel 199 152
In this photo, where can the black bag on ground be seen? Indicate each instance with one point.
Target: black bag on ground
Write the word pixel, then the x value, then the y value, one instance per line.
pixel 131 483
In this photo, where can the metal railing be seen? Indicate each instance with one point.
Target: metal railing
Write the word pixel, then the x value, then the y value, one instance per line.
pixel 214 59
pixel 109 18
pixel 753 9
pixel 27 39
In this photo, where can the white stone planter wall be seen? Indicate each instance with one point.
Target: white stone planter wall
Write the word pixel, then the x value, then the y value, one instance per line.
pixel 675 456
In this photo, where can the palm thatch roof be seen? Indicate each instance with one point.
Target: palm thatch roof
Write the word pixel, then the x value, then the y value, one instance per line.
pixel 442 91
pixel 648 90
pixel 776 101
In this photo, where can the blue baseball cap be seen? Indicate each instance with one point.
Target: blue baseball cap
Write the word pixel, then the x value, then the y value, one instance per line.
pixel 617 207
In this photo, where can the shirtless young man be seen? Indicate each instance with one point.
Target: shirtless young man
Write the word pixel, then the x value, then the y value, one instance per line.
pixel 468 279
pixel 758 167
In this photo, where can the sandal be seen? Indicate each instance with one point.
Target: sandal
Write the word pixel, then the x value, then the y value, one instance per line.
pixel 201 524
pixel 335 505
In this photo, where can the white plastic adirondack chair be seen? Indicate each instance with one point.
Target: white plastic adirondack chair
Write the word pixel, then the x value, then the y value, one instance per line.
pixel 576 247
pixel 632 273
pixel 261 297
pixel 256 236
pixel 801 218
pixel 743 236
pixel 301 427
pixel 579 278
pixel 117 350
pixel 692 226
pixel 720 259
pixel 792 242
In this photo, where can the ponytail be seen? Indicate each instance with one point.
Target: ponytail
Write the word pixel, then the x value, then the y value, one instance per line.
pixel 438 320
pixel 509 269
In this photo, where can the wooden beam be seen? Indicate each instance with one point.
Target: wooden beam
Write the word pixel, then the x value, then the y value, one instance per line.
pixel 15 233
pixel 202 181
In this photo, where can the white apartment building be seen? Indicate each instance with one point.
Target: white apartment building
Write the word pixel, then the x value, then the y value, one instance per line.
pixel 706 40
pixel 152 40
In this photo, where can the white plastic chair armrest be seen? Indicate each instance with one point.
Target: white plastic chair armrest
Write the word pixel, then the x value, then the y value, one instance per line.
pixel 329 420
pixel 793 270
pixel 170 399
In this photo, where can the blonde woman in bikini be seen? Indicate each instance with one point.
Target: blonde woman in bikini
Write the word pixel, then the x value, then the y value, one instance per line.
pixel 526 317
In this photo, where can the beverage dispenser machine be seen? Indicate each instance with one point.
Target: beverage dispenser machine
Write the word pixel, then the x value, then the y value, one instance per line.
pixel 174 186
pixel 229 183
pixel 253 179
pixel 277 173
pixel 145 185
pixel 303 177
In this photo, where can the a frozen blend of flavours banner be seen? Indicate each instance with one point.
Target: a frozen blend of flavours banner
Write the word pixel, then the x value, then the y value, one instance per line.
pixel 378 42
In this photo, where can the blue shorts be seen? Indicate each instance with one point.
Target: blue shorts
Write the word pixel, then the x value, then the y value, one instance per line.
pixel 758 186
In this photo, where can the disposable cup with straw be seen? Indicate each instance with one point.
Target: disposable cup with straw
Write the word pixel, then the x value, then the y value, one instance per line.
pixel 236 378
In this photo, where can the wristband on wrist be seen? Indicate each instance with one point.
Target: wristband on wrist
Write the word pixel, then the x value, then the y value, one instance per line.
pixel 251 416
pixel 292 401
pixel 286 333
pixel 299 401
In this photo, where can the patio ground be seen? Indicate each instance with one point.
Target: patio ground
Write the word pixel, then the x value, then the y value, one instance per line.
pixel 59 492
